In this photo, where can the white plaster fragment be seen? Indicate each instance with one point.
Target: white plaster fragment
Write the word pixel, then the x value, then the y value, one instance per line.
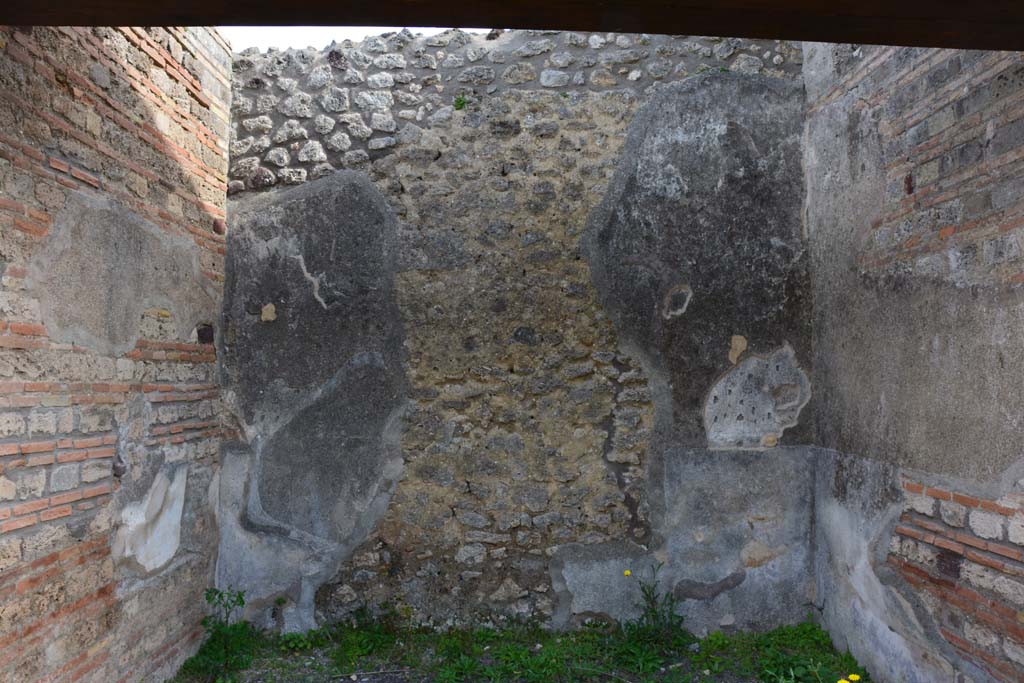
pixel 150 530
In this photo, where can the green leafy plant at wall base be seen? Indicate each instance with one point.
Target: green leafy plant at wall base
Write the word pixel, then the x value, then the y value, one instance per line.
pixel 230 645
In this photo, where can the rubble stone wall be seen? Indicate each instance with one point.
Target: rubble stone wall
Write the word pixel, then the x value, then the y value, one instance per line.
pixel 547 439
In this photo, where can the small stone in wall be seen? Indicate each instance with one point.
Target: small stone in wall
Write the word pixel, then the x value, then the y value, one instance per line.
pixel 518 73
pixel 380 80
pixel 312 151
pixel 986 524
pixel 953 514
pixel 299 105
pixel 477 75
pixel 552 78
pixel 268 313
pixel 290 130
pixel 319 76
pixel 278 156
pixel 603 78
pixel 383 121
pixel 747 64
pixel 381 143
pixel 534 48
pixel 339 142
pixel 323 124
pixel 473 553
pixel 334 99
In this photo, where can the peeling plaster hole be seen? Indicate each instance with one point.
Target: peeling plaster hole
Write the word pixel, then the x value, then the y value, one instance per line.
pixel 676 301
pixel 776 384
pixel 737 345
pixel 204 333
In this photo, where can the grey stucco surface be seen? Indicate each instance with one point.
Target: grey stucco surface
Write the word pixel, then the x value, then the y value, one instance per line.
pixel 708 195
pixel 103 266
pixel 697 241
pixel 312 362
pixel 911 369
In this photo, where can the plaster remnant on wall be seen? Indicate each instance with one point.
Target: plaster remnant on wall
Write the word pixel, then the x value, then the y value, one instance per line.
pixel 737 345
pixel 150 531
pixel 751 405
pixel 268 313
pixel 676 301
pixel 103 266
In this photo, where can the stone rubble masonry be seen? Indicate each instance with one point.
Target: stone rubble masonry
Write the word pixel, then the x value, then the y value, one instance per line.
pixel 136 119
pixel 350 98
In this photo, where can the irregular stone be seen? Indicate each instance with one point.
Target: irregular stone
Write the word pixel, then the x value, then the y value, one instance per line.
pixel 380 80
pixel 518 73
pixel 477 75
pixel 986 524
pixel 472 553
pixel 747 64
pixel 334 99
pixel 533 48
pixel 323 124
pixel 278 156
pixel 339 142
pixel 383 121
pixel 381 143
pixel 550 78
pixel 312 151
pixel 298 105
pixel 374 100
pixel 289 130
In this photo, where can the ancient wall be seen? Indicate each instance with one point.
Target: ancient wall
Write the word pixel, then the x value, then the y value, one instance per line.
pixel 914 216
pixel 446 401
pixel 113 159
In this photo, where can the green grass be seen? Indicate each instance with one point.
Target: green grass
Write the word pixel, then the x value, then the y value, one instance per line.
pixel 526 653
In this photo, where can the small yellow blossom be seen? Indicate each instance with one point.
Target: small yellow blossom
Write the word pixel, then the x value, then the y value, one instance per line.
pixel 842 680
pixel 627 573
pixel 854 677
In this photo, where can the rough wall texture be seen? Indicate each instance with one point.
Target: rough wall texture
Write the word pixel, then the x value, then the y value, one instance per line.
pixel 526 484
pixel 113 156
pixel 299 114
pixel 914 205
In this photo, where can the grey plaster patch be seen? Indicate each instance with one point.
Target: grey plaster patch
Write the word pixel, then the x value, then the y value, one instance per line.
pixel 755 401
pixel 319 387
pixel 102 266
pixel 708 192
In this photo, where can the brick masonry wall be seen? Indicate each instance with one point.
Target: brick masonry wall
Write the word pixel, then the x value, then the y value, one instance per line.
pixel 137 118
pixel 965 557
pixel 915 166
pixel 953 157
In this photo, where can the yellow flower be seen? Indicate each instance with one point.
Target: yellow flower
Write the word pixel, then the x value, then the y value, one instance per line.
pixel 627 573
pixel 842 680
pixel 854 677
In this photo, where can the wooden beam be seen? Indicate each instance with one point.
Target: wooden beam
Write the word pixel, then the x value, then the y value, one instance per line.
pixel 982 24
